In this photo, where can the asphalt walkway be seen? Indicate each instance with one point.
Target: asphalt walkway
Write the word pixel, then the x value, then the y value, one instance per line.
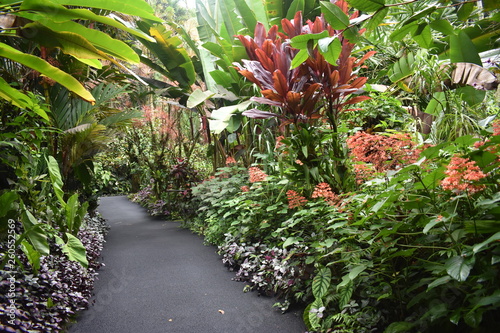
pixel 161 278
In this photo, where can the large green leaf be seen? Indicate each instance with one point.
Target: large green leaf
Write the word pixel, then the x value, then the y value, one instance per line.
pixel 67 112
pixel 356 270
pixel 423 36
pixel 295 6
pixel 463 50
pixel 302 41
pixel 56 178
pixel 376 20
pixel 231 20
pixel 32 255
pixel 197 97
pixel 68 42
pixel 299 58
pixel 220 117
pixel 207 61
pixel 7 202
pixel 174 58
pixel 483 245
pixel 222 78
pixel 419 15
pixel 465 10
pixel 311 314
pixel 459 267
pixel 487 300
pixel 402 68
pixel 437 104
pixel 334 15
pixel 72 206
pixel 14 96
pixel 443 26
pixel 74 249
pixel 35 233
pixel 131 7
pixel 120 118
pixel 321 282
pixel 59 13
pixel 367 5
pixel 274 11
pixel 399 34
pixel 345 294
pixel 188 39
pixel 207 27
pixel 471 95
pixel 47 69
pixel 259 7
pixel 247 15
pixel 330 48
pixel 99 39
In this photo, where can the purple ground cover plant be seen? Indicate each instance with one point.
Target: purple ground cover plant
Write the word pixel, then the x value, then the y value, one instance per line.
pixel 271 271
pixel 46 301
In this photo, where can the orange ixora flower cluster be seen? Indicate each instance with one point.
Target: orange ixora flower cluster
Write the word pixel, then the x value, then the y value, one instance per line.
pixel 256 175
pixel 363 172
pixel 230 161
pixel 295 200
pixel 323 190
pixel 462 173
pixel 245 188
pixel 383 152
pixel 496 127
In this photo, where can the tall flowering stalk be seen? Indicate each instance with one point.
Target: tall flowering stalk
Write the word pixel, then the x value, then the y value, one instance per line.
pixel 230 161
pixel 295 199
pixel 462 176
pixel 383 152
pixel 496 127
pixel 323 190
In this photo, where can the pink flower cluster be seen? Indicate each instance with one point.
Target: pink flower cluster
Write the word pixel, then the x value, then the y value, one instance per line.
pixel 162 120
pixel 256 175
pixel 364 172
pixel 323 190
pixel 230 161
pixel 295 199
pixel 384 152
pixel 496 127
pixel 461 175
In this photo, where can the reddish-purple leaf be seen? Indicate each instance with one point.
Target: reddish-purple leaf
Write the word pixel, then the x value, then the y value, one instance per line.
pixel 364 58
pixel 266 62
pixel 267 101
pixel 280 83
pixel 258 114
pixel 356 99
pixel 259 34
pixel 359 82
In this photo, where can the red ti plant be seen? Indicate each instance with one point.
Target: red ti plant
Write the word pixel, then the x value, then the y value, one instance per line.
pixel 307 72
pixel 315 88
pixel 269 67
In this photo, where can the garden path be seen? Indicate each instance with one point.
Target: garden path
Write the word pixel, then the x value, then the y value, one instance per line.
pixel 161 278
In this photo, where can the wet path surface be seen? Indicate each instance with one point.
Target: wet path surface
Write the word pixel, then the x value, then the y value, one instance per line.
pixel 161 278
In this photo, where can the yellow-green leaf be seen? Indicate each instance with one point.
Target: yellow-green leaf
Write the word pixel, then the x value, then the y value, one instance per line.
pixel 47 69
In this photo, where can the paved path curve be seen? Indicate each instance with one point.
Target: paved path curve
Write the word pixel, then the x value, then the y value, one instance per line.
pixel 160 278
